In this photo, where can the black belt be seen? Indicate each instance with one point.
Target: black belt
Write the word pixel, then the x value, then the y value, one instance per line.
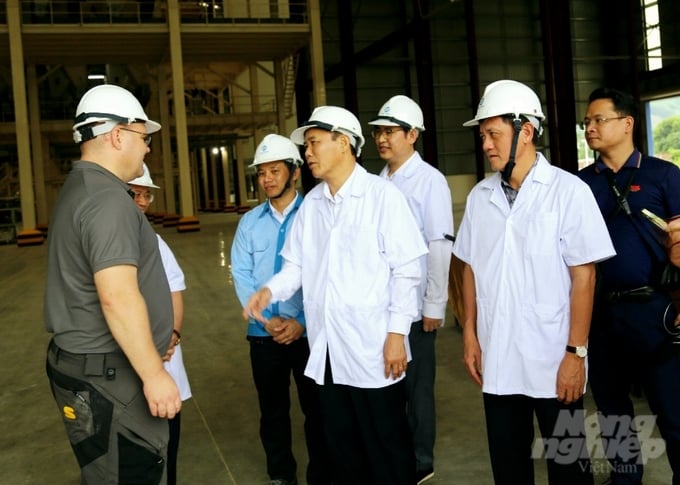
pixel 643 293
pixel 90 364
pixel 259 340
pixel 264 340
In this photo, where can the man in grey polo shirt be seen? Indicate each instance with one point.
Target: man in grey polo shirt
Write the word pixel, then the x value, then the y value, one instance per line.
pixel 107 301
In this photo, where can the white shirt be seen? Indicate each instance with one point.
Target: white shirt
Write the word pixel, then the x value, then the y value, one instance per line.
pixel 356 257
pixel 429 197
pixel 520 258
pixel 175 275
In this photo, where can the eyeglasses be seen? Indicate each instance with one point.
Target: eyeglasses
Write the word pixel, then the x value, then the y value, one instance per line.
pixel 598 121
pixel 145 136
pixel 148 196
pixel 388 131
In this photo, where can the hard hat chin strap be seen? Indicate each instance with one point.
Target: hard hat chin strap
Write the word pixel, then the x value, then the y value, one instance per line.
pixel 507 170
pixel 289 182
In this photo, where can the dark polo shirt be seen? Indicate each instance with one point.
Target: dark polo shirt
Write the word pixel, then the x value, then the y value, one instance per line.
pixel 95 224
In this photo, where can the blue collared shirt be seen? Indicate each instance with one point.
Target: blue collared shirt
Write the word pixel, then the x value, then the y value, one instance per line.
pixel 255 257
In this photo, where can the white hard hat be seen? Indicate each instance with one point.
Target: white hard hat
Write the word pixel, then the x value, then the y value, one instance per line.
pixel 274 148
pixel 332 118
pixel 109 104
pixel 145 179
pixel 400 111
pixel 509 97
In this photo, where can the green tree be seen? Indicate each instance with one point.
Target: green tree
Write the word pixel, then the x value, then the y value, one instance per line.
pixel 667 139
pixel 675 156
pixel 667 134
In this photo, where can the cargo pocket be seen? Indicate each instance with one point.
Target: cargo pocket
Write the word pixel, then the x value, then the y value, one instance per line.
pixel 86 414
pixel 143 466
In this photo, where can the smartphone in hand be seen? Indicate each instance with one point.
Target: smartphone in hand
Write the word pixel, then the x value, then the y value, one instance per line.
pixel 656 220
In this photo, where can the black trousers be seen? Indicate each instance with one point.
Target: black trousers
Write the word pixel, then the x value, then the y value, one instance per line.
pixel 272 365
pixel 510 430
pixel 173 447
pixel 420 378
pixel 368 434
pixel 617 360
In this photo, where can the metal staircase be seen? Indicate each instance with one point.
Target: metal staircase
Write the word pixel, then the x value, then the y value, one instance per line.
pixel 290 65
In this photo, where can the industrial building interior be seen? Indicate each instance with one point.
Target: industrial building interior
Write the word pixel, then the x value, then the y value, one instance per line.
pixel 219 76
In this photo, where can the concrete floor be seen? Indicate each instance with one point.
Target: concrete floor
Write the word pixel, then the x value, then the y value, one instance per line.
pixel 219 443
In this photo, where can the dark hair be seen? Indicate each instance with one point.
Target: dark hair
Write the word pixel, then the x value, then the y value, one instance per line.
pixel 623 102
pixel 336 134
pixel 510 120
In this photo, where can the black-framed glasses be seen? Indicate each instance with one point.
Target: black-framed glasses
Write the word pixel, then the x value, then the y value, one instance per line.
pixel 388 131
pixel 145 136
pixel 147 196
pixel 599 121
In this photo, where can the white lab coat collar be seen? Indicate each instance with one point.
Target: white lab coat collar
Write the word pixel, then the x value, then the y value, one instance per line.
pixel 541 173
pixel 408 168
pixel 354 186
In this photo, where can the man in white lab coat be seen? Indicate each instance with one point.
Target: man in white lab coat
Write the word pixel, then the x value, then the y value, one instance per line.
pixel 354 247
pixel 530 237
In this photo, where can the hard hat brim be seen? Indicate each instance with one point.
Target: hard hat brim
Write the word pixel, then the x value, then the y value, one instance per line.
pixel 295 163
pixel 298 135
pixel 351 128
pixel 152 126
pixel 143 184
pixel 145 179
pixel 383 122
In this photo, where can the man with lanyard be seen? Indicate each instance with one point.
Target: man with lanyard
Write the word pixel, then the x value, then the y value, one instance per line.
pixel 107 301
pixel 530 237
pixel 354 248
pixel 634 321
pixel 396 131
pixel 279 347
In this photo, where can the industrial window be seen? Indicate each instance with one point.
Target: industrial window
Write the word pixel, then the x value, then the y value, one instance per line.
pixel 650 9
pixel 663 128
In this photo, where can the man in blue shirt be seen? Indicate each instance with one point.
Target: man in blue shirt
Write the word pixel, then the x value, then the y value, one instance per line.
pixel 633 320
pixel 279 347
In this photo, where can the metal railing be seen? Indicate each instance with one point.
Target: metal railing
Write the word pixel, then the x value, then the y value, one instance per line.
pixel 155 11
pixel 88 12
pixel 55 110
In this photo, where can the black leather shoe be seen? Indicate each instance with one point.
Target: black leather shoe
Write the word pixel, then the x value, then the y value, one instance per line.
pixel 424 475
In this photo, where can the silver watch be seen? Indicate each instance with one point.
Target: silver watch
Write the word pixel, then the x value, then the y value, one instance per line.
pixel 579 350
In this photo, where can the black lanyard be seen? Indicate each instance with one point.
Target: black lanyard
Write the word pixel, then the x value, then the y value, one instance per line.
pixel 620 197
pixel 656 250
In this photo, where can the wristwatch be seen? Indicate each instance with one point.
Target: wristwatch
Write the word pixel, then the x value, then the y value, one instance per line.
pixel 579 350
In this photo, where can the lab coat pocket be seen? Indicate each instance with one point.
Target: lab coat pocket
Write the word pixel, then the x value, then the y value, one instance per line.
pixel 363 273
pixel 542 235
pixel 367 329
pixel 543 331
